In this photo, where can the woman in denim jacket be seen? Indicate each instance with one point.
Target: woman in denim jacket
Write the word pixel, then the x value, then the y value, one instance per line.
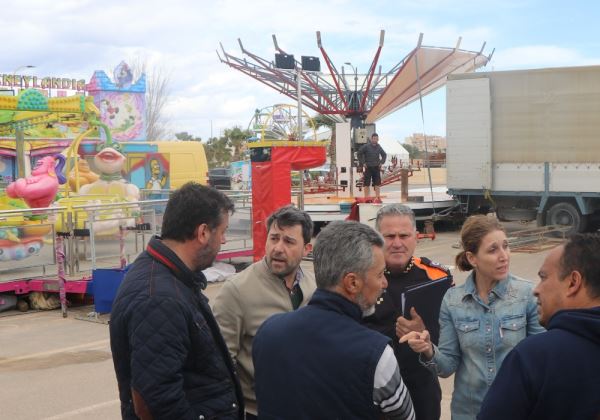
pixel 481 320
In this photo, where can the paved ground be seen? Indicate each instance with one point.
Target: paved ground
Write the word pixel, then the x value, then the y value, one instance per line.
pixel 53 368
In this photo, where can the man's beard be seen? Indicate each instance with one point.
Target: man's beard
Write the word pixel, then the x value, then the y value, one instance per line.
pixel 367 310
pixel 206 258
pixel 288 269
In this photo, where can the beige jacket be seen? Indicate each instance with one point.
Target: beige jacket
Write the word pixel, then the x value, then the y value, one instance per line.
pixel 241 306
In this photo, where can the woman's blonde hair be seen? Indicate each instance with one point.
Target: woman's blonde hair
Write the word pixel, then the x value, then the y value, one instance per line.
pixel 472 233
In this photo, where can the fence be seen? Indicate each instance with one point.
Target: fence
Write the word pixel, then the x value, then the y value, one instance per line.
pixel 56 248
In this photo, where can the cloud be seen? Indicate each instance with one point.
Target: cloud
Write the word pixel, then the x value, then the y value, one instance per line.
pixel 536 56
pixel 72 38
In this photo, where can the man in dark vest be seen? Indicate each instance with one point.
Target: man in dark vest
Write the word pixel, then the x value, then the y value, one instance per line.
pixel 319 362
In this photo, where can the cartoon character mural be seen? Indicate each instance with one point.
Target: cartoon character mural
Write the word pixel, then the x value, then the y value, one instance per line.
pixel 123 75
pixel 123 113
pixel 158 179
pixel 151 170
pixel 122 103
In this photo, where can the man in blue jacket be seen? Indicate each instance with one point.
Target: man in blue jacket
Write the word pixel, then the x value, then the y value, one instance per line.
pixel 556 374
pixel 319 362
pixel 170 358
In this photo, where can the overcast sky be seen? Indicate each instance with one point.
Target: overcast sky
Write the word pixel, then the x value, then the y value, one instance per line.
pixel 72 38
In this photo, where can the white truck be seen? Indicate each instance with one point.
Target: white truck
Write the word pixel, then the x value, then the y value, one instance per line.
pixel 526 144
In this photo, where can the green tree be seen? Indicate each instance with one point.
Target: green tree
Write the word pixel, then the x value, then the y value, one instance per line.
pixel 413 152
pixel 221 151
pixel 217 152
pixel 236 140
pixel 184 136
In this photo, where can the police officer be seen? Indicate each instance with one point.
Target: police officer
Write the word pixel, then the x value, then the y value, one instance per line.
pixel 397 225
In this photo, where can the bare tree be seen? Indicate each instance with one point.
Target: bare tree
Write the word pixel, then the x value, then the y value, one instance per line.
pixel 157 96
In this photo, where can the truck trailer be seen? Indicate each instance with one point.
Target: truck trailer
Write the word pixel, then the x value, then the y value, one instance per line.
pixel 526 144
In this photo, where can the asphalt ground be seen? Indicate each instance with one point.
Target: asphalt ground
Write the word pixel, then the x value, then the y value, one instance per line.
pixel 56 368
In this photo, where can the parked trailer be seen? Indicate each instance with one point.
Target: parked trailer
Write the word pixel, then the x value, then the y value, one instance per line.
pixel 525 144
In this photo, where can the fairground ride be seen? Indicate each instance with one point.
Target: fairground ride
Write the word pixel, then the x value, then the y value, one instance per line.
pixel 280 122
pixel 356 101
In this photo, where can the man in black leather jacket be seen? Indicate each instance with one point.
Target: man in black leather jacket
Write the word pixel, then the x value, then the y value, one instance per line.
pixel 170 359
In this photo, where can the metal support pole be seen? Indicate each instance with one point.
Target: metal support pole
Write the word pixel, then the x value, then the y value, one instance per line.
pixel 403 185
pixel 60 262
pixel 122 258
pixel 91 218
pixel 20 151
pixel 300 134
pixel 71 242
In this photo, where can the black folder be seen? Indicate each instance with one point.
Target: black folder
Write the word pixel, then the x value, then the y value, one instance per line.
pixel 426 298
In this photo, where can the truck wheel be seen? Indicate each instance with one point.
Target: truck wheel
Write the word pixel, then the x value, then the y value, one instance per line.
pixel 515 214
pixel 566 214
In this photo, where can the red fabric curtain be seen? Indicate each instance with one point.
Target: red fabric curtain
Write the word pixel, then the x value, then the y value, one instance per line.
pixel 271 185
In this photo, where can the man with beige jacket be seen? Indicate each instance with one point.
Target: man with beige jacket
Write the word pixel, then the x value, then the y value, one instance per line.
pixel 275 284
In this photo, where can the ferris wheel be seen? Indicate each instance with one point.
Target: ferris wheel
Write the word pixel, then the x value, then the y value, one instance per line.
pixel 280 122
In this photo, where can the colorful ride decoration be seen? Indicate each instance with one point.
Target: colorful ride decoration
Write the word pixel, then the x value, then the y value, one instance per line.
pixel 21 235
pixel 272 163
pixel 280 122
pixel 30 110
pixel 109 187
pixel 83 175
pixel 122 103
pixel 39 189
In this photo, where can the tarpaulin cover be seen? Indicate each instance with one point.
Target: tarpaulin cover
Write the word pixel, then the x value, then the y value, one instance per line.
pixel 271 185
pixel 434 65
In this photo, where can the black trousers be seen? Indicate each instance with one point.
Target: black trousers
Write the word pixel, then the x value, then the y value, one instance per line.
pixel 372 173
pixel 425 392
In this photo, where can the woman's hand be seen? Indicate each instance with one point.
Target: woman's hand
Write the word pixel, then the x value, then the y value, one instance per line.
pixel 419 342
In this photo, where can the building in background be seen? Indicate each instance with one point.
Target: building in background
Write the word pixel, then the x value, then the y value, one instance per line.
pixel 435 144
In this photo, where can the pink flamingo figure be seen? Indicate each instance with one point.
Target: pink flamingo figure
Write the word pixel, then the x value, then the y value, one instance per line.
pixel 39 189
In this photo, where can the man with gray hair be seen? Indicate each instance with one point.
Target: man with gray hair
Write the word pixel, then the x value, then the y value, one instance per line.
pixel 319 362
pixel 397 225
pixel 272 285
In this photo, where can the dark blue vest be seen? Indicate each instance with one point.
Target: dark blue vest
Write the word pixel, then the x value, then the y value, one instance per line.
pixel 317 362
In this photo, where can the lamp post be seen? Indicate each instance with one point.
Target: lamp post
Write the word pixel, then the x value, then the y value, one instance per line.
pixel 300 133
pixel 355 94
pixel 19 138
pixel 28 66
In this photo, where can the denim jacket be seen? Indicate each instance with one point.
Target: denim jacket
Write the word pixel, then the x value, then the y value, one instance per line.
pixel 475 337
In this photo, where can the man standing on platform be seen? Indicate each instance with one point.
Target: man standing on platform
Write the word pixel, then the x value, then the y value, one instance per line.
pixel 370 157
pixel 397 225
pixel 275 284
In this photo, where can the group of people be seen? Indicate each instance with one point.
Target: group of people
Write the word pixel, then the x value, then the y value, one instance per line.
pixel 283 343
